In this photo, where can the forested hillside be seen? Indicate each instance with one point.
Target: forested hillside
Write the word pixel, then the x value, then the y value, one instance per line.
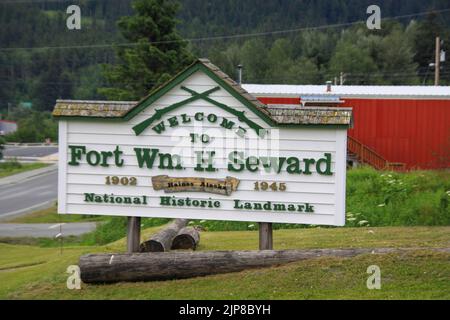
pixel 32 70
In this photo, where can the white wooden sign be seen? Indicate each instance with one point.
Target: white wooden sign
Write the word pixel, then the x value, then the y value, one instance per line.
pixel 200 148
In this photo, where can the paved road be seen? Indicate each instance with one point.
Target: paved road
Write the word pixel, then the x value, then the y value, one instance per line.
pixel 28 192
pixel 45 230
pixel 29 151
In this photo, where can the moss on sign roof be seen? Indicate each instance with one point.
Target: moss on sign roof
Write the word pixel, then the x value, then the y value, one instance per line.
pixel 95 109
pixel 311 115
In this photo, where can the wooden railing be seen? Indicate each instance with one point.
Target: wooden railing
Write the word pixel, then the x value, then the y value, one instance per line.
pixel 369 156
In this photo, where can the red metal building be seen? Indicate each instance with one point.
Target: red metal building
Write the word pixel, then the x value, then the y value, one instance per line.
pixel 406 125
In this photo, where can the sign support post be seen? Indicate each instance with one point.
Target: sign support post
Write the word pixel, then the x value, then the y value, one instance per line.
pixel 265 236
pixel 133 234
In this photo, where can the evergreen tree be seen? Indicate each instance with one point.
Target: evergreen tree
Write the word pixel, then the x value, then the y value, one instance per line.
pixel 158 54
pixel 354 61
pixel 397 61
pixel 54 83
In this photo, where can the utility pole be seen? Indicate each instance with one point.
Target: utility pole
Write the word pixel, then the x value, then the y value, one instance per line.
pixel 437 64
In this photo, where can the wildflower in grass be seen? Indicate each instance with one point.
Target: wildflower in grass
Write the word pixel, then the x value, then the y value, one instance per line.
pixel 202 221
pixel 363 222
pixel 351 219
pixel 382 205
pixel 251 226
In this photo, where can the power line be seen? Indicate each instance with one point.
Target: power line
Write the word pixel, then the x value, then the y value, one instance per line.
pixel 227 37
pixel 36 1
pixel 353 76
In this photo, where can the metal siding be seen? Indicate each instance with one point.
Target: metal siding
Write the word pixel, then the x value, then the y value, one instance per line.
pixel 412 131
pixel 408 131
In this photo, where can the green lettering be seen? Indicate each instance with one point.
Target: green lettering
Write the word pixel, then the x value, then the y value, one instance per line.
pixel 201 161
pixel 117 157
pixel 293 165
pixel 96 160
pixel 327 162
pixel 212 118
pixel 252 164
pixel 143 156
pixel 199 116
pixel 75 154
pixel 308 162
pixel 159 128
pixel 105 156
pixel 257 206
pixel 89 197
pixel 279 207
pixel 127 200
pixel 227 124
pixel 185 118
pixel 236 157
pixel 173 122
pixel 309 208
pixel 241 132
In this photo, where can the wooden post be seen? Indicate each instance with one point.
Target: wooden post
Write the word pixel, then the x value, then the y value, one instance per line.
pixel 265 236
pixel 133 234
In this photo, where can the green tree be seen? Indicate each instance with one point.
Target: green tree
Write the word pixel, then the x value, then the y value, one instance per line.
pixel 35 126
pixel 356 62
pixel 305 71
pixel 158 54
pixel 54 83
pixel 397 59
pixel 227 58
pixel 255 61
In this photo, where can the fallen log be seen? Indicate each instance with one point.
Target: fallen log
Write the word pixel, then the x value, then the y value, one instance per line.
pixel 162 241
pixel 187 238
pixel 107 268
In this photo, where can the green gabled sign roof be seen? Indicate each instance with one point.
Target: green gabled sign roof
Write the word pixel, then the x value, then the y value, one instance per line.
pixel 215 74
pixel 126 110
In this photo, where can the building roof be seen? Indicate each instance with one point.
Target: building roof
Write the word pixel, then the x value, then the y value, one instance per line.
pixel 311 115
pixel 96 109
pixel 401 92
pixel 280 115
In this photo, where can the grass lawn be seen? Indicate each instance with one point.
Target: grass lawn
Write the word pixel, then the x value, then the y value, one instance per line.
pixel 10 168
pixel 39 273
